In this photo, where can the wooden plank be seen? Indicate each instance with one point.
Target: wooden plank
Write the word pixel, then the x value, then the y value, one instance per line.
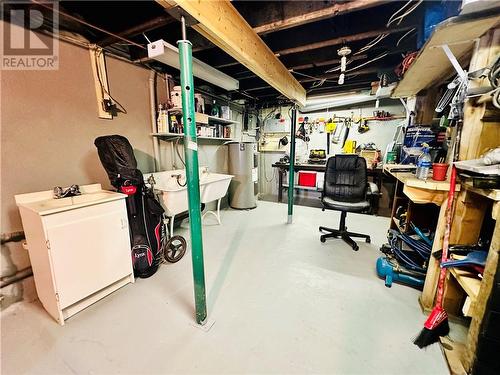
pixel 478 135
pixel 467 281
pixel 421 196
pixel 430 285
pixel 482 298
pixel 468 218
pixel 410 180
pixel 432 65
pixel 340 40
pixel 316 15
pixel 425 106
pixel 493 194
pixel 220 22
pixel 453 352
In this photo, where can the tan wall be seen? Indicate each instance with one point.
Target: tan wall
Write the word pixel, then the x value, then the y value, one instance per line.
pixel 49 123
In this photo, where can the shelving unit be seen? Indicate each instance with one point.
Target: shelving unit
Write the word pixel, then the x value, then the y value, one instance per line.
pixel 181 136
pixel 431 64
pixel 202 120
pixel 209 118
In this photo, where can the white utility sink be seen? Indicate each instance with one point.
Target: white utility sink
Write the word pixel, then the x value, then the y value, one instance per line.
pixel 44 202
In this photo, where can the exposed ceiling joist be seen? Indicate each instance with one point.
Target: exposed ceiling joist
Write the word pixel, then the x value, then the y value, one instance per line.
pixel 332 76
pixel 152 24
pixel 236 37
pixel 341 40
pixel 297 13
pixel 325 63
pixel 307 16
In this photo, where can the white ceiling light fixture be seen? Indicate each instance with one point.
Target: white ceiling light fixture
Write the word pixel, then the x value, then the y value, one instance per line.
pixel 316 103
pixel 169 55
pixel 343 53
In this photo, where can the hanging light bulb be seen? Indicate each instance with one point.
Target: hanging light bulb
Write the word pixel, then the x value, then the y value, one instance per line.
pixel 343 52
pixel 343 63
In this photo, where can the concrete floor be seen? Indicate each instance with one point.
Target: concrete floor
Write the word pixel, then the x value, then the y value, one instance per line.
pixel 281 302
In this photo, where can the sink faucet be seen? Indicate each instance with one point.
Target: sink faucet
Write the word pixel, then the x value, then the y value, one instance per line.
pixel 152 181
pixel 69 192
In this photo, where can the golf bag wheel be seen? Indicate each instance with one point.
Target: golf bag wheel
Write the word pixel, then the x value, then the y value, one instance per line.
pixel 175 249
pixel 356 248
pixel 322 239
pixel 368 240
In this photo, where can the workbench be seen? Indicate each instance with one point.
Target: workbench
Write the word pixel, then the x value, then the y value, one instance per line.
pixel 283 168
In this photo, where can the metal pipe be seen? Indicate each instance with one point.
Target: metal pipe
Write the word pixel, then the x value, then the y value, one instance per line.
pixel 291 173
pixel 20 275
pixel 12 237
pixel 183 28
pixel 152 101
pixel 192 176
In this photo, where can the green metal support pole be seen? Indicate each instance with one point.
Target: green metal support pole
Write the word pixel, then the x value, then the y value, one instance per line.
pixel 192 175
pixel 291 173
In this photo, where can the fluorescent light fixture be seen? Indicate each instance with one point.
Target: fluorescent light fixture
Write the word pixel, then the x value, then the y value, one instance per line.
pixel 169 54
pixel 317 103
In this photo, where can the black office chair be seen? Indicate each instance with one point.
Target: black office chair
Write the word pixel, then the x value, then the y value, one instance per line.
pixel 345 189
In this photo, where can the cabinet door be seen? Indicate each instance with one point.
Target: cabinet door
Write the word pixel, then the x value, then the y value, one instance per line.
pixel 90 249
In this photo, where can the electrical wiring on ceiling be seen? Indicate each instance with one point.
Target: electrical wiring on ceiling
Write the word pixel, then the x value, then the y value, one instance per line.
pixel 368 62
pixel 400 18
pixel 371 44
pixel 405 35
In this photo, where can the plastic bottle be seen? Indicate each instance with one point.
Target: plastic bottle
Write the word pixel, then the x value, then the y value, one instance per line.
pixel 215 110
pixel 159 120
pixel 423 164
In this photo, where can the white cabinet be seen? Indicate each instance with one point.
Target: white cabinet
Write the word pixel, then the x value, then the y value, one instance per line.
pixel 79 248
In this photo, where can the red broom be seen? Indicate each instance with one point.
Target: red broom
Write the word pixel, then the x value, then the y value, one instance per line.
pixel 436 324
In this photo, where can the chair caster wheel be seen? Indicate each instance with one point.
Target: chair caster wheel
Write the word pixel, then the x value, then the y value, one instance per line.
pixel 322 239
pixel 356 248
pixel 368 240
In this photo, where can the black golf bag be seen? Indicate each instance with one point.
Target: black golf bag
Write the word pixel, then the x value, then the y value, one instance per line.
pixel 145 214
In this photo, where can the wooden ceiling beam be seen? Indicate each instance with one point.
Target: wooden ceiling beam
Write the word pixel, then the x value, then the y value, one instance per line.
pixel 220 22
pixel 306 16
pixel 325 63
pixel 341 40
pixel 152 24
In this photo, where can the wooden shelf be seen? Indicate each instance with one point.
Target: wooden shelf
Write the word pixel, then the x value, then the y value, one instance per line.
pixel 219 120
pixel 177 135
pixel 493 194
pixel 467 281
pixel 431 65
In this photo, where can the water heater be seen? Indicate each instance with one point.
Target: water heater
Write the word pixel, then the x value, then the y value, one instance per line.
pixel 243 166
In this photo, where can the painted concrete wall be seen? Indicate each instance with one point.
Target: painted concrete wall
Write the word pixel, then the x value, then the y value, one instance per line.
pixel 381 132
pixel 49 123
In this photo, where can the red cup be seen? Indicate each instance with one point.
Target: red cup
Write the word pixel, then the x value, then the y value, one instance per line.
pixel 439 171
